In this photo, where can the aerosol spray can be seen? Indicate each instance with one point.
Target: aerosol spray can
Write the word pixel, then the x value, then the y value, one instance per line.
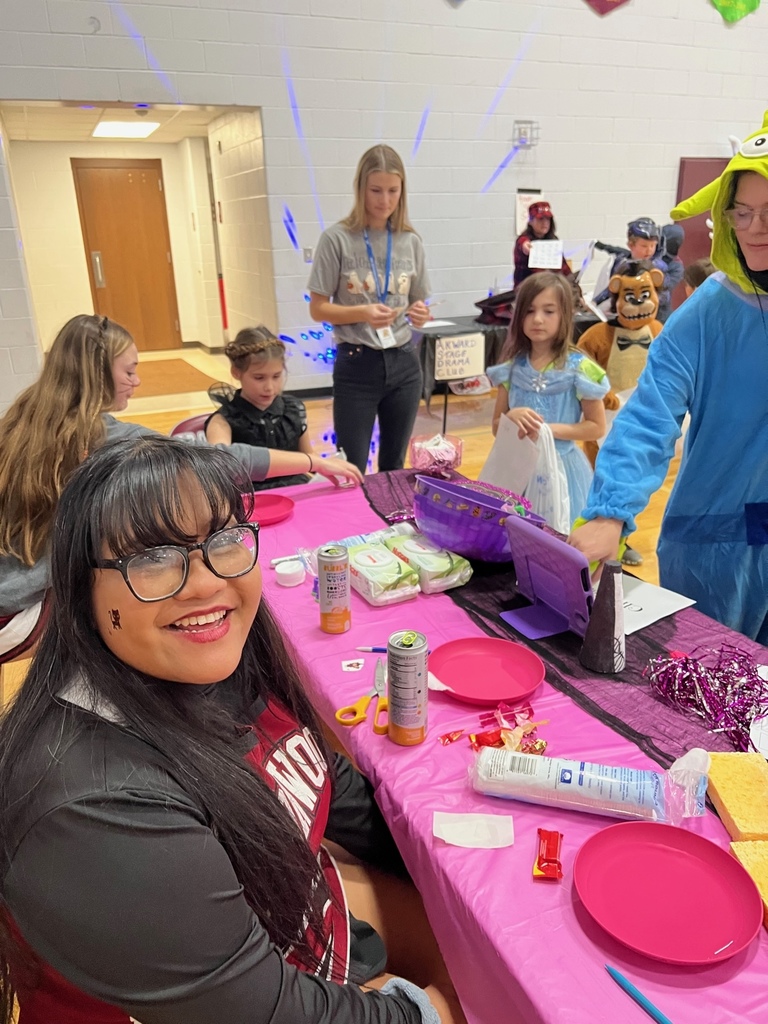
pixel 407 687
pixel 333 589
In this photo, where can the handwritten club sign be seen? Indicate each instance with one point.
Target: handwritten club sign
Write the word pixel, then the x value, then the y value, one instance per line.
pixel 459 357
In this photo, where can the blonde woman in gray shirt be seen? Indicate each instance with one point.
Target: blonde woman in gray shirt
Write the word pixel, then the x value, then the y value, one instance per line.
pixel 368 279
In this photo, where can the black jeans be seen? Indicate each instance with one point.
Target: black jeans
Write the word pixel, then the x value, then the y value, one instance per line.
pixel 367 383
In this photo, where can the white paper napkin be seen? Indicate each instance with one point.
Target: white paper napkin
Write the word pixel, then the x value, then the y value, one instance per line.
pixel 474 831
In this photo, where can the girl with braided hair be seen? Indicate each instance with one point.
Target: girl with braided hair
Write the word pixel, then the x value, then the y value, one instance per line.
pixel 258 413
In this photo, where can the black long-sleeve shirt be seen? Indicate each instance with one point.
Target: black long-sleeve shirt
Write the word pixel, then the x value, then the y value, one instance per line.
pixel 121 889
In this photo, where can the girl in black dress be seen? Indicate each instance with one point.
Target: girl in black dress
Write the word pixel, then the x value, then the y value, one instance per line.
pixel 258 413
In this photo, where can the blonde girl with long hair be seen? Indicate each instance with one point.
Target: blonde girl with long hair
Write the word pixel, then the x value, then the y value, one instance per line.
pixel 44 436
pixel 369 280
pixel 55 422
pixel 89 372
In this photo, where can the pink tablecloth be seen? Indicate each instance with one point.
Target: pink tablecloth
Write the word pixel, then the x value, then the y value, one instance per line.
pixel 516 949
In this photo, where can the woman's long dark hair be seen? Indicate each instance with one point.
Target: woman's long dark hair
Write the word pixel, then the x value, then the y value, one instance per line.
pixel 128 496
pixel 530 233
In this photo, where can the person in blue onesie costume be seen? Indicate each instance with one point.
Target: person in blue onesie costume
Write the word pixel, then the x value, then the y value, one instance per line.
pixel 711 360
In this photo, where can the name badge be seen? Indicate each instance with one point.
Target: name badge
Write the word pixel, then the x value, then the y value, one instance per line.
pixel 387 337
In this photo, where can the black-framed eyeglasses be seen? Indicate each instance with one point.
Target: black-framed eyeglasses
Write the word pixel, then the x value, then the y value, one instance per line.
pixel 159 573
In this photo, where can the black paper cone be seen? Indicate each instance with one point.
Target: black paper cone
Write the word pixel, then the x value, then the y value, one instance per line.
pixel 603 649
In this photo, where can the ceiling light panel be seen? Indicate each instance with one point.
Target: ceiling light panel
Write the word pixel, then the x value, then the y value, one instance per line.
pixel 125 129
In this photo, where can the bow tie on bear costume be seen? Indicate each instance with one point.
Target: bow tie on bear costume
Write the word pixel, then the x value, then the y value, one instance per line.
pixel 625 343
pixel 621 347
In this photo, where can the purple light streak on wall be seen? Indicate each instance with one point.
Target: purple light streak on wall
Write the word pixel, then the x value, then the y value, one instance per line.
pixel 504 163
pixel 302 140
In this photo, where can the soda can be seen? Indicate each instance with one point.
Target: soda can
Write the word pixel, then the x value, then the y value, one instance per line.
pixel 408 687
pixel 333 589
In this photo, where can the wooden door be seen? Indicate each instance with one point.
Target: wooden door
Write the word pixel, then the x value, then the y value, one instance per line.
pixel 127 247
pixel 695 172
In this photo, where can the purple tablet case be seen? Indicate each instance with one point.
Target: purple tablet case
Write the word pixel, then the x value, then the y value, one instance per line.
pixel 554 576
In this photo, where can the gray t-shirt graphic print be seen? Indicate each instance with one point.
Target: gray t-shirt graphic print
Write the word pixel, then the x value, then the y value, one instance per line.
pixel 342 269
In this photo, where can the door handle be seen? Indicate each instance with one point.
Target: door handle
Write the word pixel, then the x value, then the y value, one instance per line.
pixel 98 270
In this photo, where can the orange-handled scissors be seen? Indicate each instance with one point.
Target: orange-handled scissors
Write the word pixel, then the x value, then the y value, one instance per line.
pixel 355 713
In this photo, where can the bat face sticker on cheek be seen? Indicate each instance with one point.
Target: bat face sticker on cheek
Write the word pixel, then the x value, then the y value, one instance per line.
pixel 114 618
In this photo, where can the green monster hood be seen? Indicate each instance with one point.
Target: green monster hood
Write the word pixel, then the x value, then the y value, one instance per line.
pixel 752 156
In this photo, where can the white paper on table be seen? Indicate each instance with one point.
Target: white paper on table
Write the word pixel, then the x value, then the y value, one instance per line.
pixel 433 683
pixel 759 730
pixel 645 603
pixel 474 831
pixel 432 325
pixel 511 461
pixel 546 255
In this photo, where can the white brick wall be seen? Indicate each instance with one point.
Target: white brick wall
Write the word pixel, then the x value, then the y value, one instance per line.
pixel 239 190
pixel 19 352
pixel 619 100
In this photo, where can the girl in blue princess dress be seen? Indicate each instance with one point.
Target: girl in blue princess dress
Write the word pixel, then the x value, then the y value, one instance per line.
pixel 546 380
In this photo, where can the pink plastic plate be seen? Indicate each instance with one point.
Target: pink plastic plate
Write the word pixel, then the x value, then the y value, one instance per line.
pixel 270 508
pixel 667 893
pixel 482 670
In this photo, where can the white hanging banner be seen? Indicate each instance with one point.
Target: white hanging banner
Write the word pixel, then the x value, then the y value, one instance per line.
pixel 459 357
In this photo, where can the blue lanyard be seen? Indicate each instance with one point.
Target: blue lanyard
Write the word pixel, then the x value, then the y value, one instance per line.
pixel 381 292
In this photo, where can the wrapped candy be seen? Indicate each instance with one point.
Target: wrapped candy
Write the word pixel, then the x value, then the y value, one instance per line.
pixel 547 864
pixel 450 737
pixel 509 727
pixel 436 455
pixel 722 687
pixel 488 738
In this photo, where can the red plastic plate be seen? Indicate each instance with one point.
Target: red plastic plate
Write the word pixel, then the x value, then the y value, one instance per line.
pixel 270 508
pixel 668 893
pixel 483 670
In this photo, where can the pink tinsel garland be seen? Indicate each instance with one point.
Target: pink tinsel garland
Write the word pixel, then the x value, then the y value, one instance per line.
pixel 727 694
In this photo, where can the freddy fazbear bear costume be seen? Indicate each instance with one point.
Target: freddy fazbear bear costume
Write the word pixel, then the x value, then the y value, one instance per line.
pixel 621 347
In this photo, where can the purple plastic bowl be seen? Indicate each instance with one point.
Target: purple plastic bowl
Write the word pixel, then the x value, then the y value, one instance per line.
pixel 463 520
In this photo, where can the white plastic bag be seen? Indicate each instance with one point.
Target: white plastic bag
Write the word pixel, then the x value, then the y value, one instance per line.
pixel 511 461
pixel 548 487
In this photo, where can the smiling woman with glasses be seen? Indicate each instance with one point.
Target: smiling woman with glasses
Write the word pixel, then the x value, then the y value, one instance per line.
pixel 158 573
pixel 165 788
